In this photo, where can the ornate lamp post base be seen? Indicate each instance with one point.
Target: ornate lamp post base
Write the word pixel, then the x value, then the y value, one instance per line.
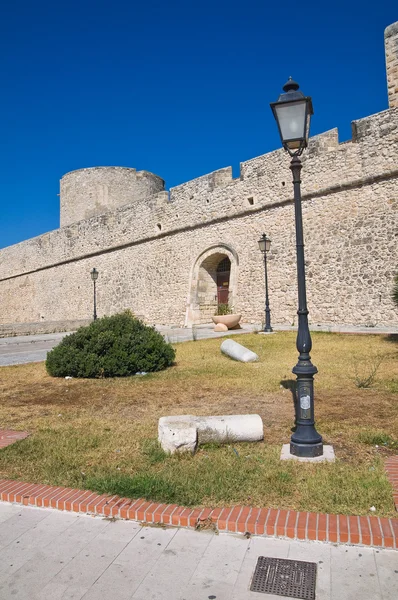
pixel 305 441
pixel 306 450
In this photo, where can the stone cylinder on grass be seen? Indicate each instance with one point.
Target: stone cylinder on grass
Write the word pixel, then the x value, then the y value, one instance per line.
pixel 230 428
pixel 183 433
pixel 238 352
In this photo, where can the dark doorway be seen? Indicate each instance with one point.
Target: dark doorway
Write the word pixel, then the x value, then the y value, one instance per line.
pixel 223 274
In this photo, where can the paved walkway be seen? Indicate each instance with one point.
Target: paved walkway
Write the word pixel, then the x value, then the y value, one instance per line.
pixel 23 349
pixel 52 555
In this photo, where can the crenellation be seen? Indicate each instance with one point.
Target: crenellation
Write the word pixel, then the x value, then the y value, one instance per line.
pixel 190 190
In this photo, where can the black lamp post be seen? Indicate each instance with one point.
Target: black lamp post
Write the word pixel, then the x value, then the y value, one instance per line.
pixel 292 112
pixel 264 243
pixel 94 277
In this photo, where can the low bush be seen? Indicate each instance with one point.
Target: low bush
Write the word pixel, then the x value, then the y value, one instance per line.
pixel 115 346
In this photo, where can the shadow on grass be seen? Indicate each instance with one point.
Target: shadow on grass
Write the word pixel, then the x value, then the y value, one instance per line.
pixel 393 338
pixel 290 384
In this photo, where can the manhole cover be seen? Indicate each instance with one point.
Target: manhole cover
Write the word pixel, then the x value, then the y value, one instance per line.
pixel 283 577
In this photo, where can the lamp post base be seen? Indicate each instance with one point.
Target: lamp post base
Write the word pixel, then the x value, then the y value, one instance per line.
pixel 306 450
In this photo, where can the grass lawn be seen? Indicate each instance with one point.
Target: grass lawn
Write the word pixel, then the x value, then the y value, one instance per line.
pixel 101 434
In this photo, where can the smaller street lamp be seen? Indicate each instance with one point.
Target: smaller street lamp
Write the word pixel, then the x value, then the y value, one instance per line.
pixel 264 243
pixel 94 277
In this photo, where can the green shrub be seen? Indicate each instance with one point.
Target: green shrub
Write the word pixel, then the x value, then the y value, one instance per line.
pixel 115 346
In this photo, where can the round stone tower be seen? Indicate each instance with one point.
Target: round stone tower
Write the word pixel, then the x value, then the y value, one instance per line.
pixel 91 192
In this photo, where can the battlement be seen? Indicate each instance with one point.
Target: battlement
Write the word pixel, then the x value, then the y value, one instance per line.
pixel 192 190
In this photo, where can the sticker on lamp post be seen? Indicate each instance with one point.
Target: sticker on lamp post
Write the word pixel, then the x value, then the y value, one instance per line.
pixel 305 405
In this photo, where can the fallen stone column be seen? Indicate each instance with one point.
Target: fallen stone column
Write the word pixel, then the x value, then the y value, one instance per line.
pixel 184 433
pixel 230 428
pixel 237 351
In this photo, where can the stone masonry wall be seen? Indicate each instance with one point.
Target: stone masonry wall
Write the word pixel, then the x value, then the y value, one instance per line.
pixel 351 254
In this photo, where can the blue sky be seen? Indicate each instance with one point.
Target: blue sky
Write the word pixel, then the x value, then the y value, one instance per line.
pixel 177 88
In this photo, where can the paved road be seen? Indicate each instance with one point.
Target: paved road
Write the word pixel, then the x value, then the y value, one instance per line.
pixel 51 555
pixel 27 348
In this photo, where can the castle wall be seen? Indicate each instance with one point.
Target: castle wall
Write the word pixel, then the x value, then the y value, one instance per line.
pixel 351 255
pixel 146 242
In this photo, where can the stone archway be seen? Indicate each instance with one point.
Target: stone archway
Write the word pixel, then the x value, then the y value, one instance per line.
pixel 204 294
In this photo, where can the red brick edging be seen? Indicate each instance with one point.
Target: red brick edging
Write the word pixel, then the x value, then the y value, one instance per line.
pixel 368 531
pixel 392 474
pixel 7 437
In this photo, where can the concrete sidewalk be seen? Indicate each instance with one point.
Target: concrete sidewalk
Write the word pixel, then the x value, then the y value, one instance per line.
pixel 52 555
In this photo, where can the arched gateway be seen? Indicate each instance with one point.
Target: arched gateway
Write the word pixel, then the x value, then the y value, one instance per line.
pixel 213 281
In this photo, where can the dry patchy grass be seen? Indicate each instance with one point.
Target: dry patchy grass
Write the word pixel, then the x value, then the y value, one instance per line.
pixel 101 433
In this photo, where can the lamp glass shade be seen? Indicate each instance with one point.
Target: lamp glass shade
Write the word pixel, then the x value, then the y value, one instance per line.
pixel 264 243
pixel 94 274
pixel 293 121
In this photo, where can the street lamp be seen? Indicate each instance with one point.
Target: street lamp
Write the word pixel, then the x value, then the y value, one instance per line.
pixel 94 277
pixel 264 243
pixel 292 112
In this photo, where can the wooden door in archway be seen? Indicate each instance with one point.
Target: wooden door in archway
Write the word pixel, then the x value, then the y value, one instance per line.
pixel 223 275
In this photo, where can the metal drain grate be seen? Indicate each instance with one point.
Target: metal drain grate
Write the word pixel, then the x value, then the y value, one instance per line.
pixel 283 577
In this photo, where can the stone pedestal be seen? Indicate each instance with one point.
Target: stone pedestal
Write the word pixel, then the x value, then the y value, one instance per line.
pixel 327 456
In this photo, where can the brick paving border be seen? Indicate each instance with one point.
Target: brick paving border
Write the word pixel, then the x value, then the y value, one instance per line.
pixel 392 474
pixel 366 531
pixel 7 437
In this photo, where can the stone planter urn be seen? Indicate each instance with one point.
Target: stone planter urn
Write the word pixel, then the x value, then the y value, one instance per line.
pixel 230 321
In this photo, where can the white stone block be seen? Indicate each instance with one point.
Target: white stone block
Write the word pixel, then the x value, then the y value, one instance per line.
pixel 177 434
pixel 237 351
